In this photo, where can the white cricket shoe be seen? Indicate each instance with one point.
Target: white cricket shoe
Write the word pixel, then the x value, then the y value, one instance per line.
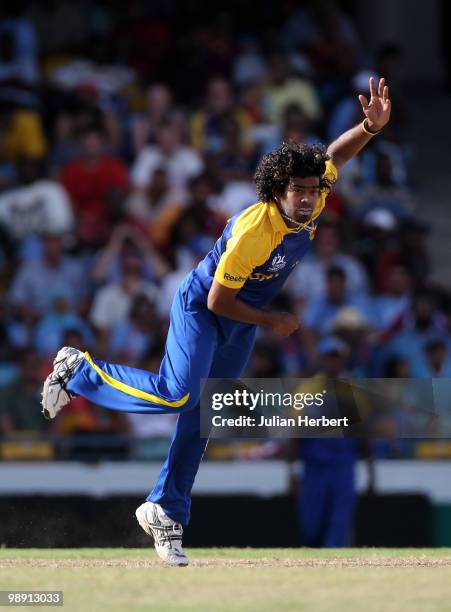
pixel 54 394
pixel 166 533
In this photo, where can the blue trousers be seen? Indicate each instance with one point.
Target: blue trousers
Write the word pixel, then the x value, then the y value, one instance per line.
pixel 326 504
pixel 199 345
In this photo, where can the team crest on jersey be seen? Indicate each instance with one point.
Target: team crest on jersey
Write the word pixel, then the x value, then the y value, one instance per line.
pixel 278 263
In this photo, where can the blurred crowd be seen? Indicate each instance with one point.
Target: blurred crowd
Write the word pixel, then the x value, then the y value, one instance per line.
pixel 128 138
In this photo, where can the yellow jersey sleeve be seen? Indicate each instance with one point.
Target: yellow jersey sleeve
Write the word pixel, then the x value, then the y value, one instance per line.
pixel 249 246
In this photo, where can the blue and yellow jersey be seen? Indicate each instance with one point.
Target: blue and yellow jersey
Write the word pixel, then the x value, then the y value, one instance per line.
pixel 257 251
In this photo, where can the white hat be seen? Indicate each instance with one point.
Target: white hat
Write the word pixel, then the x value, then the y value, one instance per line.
pixel 348 318
pixel 381 218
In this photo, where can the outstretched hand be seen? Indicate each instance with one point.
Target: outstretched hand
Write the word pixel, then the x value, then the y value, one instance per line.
pixel 377 110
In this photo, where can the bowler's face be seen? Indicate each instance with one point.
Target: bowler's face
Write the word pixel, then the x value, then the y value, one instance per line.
pixel 300 198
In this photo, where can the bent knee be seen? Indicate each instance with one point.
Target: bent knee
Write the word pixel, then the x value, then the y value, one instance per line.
pixel 191 403
pixel 188 402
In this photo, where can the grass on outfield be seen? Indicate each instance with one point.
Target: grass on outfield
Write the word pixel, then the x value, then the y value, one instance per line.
pixel 372 580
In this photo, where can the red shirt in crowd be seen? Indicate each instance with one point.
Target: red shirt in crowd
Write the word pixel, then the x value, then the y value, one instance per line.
pixel 95 188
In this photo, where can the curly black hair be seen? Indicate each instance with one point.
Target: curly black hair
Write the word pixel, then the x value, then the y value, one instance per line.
pixel 291 159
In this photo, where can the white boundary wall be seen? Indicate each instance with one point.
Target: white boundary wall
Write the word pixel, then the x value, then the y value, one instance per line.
pixel 265 479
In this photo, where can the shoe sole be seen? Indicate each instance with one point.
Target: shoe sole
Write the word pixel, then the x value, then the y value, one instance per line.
pixel 45 411
pixel 146 527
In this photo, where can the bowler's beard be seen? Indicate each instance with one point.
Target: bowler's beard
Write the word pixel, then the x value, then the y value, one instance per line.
pixel 301 217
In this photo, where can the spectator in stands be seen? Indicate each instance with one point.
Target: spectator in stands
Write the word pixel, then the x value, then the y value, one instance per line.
pixel 284 88
pixel 390 62
pixel 39 280
pixel 305 21
pixel 420 324
pixel 18 48
pixel 395 415
pixel 198 225
pixel 83 108
pixel 159 107
pixel 97 184
pixel 133 338
pixel 390 306
pixel 253 105
pixel 294 125
pixel 346 113
pixel 376 246
pixel 320 311
pixel 171 281
pixel 113 301
pixel 180 162
pixel 154 208
pixel 249 65
pixel 437 359
pixel 20 400
pixel 189 232
pixel 127 239
pixel 264 361
pixel 359 176
pixel 413 249
pixel 309 280
pixel 36 205
pixel 397 367
pixel 50 330
pixel 353 328
pixel 235 161
pixel 207 127
pixel 383 194
pixel 334 51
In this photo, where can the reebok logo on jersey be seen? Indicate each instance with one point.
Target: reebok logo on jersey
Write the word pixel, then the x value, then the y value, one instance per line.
pixel 235 279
